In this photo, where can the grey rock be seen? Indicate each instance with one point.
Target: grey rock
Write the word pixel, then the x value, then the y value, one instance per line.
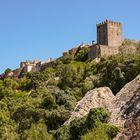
pixel 126 111
pixel 124 108
pixel 99 97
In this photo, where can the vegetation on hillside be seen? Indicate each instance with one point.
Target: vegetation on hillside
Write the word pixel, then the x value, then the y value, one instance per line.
pixel 91 127
pixel 37 105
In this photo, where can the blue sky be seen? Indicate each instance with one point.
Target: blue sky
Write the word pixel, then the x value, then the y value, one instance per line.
pixel 39 29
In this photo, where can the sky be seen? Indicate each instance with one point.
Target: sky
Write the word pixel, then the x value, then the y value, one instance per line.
pixel 42 29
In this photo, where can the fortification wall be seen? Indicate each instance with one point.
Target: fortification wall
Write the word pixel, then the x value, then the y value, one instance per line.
pixel 98 51
pixel 106 51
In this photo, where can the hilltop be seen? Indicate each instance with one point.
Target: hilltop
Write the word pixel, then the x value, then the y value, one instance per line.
pixel 91 92
pixel 110 42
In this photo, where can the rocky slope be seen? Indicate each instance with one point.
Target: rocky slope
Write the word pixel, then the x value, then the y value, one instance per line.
pixel 125 102
pixel 100 97
pixel 126 111
pixel 125 108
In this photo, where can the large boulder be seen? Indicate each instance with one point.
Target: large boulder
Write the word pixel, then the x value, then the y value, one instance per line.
pixel 126 111
pixel 120 105
pixel 124 108
pixel 99 97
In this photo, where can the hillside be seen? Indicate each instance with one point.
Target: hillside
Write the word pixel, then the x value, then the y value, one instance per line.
pixel 37 105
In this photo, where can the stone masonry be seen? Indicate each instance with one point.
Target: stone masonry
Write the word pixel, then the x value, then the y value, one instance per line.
pixel 109 33
pixel 109 39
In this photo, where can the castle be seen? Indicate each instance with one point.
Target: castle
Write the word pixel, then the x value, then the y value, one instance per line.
pixel 109 42
pixel 109 33
pixel 109 39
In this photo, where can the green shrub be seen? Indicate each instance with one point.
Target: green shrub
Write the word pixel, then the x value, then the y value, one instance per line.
pixel 67 59
pixel 56 118
pixel 82 55
pixel 102 132
pixel 77 128
pixel 8 70
pixel 49 101
pixel 97 115
pixel 62 133
pixel 37 132
pixel 68 101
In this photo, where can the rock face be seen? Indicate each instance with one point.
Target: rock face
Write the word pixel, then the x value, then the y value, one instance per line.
pixel 126 111
pixel 100 97
pixel 123 99
pixel 125 108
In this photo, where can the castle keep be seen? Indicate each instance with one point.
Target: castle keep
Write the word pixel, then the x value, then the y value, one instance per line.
pixel 109 39
pixel 109 33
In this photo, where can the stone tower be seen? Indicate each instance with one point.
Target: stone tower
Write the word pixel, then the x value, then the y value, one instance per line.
pixel 109 33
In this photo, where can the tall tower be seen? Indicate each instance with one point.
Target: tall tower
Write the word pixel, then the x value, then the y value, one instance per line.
pixel 109 33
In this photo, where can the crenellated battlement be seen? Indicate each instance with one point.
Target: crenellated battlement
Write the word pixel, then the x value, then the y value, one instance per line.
pixel 109 22
pixel 109 33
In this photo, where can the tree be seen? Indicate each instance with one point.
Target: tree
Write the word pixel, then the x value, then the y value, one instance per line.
pixel 49 101
pixel 102 132
pixel 8 70
pixel 97 115
pixel 37 132
pixel 56 118
pixel 82 55
pixel 66 77
pixel 119 80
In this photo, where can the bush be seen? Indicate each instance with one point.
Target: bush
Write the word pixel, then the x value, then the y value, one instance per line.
pixel 102 132
pixel 62 133
pixel 37 132
pixel 77 128
pixel 56 118
pixel 67 59
pixel 97 115
pixel 68 101
pixel 67 76
pixel 8 132
pixel 49 101
pixel 8 70
pixel 82 55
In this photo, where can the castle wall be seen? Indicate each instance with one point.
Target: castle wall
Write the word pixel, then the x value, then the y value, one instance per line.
pixel 94 52
pixel 28 68
pixel 98 51
pixel 36 67
pixel 106 51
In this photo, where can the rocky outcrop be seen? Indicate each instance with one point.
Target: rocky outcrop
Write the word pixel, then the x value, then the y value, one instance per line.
pixel 120 105
pixel 130 131
pixel 100 97
pixel 126 111
pixel 125 108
